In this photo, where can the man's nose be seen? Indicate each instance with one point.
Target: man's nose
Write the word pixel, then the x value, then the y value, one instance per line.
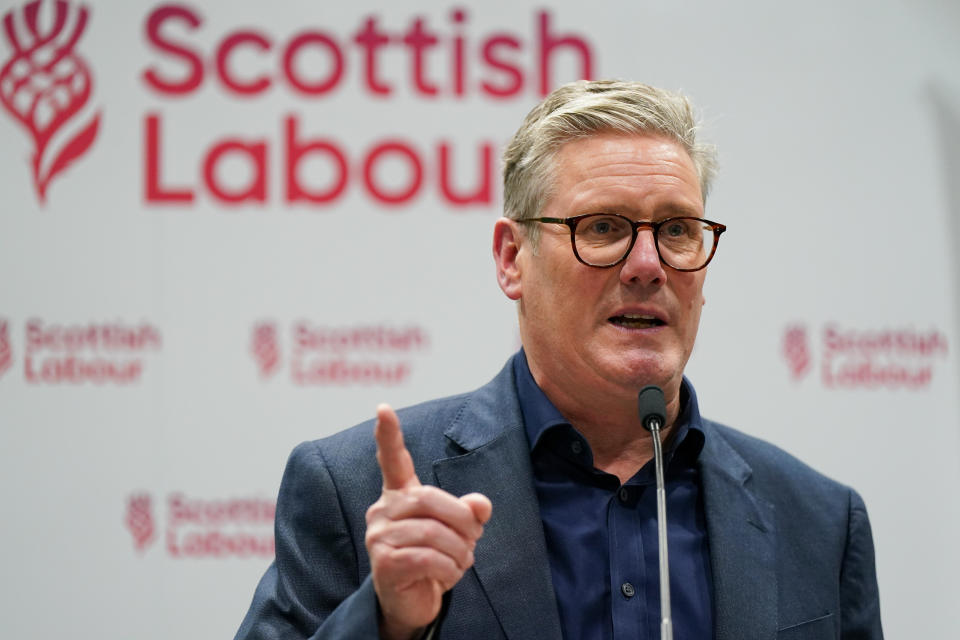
pixel 642 265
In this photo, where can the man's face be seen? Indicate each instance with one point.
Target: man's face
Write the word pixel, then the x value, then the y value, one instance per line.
pixel 611 330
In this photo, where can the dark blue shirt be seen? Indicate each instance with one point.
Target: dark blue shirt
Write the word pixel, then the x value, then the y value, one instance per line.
pixel 602 536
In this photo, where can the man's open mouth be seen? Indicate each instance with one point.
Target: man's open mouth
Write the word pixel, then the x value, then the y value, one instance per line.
pixel 636 321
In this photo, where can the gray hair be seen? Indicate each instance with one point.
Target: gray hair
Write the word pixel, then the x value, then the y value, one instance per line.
pixel 584 108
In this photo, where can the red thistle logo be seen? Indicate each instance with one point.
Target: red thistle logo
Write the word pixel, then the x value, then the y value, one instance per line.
pixel 796 351
pixel 139 520
pixel 6 353
pixel 44 85
pixel 265 347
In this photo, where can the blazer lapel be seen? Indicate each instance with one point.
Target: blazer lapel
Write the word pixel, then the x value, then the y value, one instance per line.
pixel 741 531
pixel 511 558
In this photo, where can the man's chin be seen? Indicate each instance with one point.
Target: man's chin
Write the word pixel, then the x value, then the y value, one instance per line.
pixel 635 370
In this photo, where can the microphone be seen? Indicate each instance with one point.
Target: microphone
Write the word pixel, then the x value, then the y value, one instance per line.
pixel 653 407
pixel 653 414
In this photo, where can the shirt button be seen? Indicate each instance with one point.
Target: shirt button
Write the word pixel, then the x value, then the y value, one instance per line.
pixel 576 447
pixel 624 496
pixel 627 589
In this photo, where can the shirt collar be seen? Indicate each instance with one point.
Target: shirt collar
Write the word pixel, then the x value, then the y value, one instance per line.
pixel 540 415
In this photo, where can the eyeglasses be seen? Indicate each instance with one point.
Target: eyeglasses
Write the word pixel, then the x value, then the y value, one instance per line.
pixel 605 239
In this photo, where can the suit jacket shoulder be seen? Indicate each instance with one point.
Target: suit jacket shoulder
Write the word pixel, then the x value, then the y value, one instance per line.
pixel 775 468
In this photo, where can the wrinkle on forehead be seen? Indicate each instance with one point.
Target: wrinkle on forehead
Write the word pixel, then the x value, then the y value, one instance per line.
pixel 601 173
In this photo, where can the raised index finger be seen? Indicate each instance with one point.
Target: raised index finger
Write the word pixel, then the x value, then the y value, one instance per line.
pixel 396 465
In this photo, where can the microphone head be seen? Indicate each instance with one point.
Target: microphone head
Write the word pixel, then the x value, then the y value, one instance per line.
pixel 652 407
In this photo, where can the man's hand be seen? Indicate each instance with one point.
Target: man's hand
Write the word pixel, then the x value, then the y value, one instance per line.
pixel 420 539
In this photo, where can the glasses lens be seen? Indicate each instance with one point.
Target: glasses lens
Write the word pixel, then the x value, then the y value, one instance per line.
pixel 685 243
pixel 602 239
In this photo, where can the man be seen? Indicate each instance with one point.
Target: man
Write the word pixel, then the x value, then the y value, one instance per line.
pixel 554 536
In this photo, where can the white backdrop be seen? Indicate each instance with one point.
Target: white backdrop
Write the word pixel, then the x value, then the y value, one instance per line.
pixel 159 359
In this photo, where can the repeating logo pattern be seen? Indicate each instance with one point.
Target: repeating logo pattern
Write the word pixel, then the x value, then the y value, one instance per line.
pixel 191 527
pixel 338 355
pixel 852 357
pixel 44 85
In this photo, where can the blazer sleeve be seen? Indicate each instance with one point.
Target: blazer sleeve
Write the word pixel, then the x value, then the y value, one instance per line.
pixel 313 590
pixel 859 596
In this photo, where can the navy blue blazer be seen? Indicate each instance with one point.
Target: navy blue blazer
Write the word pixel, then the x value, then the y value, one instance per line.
pixel 791 551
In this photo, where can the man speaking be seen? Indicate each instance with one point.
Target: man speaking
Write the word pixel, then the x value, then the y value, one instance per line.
pixel 527 509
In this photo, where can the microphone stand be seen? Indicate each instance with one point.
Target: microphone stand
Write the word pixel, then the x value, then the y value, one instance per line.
pixel 652 415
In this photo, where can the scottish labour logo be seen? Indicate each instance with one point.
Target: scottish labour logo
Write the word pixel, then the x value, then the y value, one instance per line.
pixel 45 85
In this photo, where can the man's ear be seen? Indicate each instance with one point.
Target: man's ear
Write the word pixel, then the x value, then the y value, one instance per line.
pixel 507 237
